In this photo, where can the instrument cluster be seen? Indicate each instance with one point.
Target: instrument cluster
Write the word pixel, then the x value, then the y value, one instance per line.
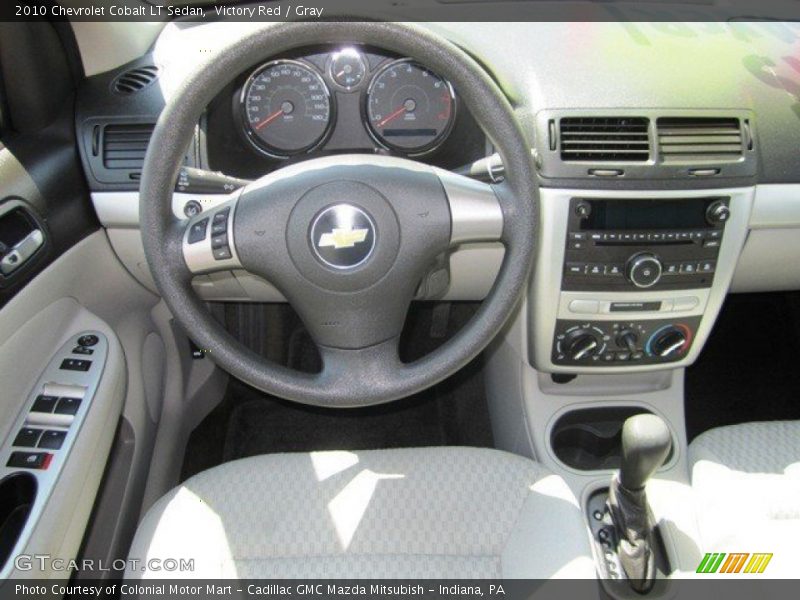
pixel 344 99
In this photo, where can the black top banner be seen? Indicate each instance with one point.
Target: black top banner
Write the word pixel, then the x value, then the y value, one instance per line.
pixel 402 10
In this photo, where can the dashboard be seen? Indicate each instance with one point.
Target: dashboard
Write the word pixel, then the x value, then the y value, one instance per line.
pixel 635 156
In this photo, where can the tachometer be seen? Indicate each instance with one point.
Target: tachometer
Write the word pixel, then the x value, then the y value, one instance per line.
pixel 286 108
pixel 409 108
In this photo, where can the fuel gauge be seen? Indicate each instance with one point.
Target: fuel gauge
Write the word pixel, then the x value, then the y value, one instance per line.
pixel 347 68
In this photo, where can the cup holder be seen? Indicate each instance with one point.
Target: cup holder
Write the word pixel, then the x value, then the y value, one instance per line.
pixel 17 494
pixel 591 439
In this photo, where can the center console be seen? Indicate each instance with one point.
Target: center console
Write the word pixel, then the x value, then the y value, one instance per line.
pixel 632 280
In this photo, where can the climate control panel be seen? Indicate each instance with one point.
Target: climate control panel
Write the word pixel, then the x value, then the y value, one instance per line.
pixel 622 343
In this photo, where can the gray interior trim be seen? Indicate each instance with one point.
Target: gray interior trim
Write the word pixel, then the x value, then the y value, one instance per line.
pixel 776 206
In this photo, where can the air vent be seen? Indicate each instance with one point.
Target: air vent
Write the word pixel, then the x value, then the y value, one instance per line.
pixel 699 139
pixel 135 80
pixel 598 139
pixel 124 146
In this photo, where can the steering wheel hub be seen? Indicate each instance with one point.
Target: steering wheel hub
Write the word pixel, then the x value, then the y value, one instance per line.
pixel 343 236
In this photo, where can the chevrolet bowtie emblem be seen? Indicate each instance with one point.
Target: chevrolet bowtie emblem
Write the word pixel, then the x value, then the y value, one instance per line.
pixel 342 238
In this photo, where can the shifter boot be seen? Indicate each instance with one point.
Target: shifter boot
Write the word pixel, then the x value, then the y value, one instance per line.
pixel 634 528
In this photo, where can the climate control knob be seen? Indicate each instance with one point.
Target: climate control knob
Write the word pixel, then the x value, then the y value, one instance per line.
pixel 668 342
pixel 643 270
pixel 581 344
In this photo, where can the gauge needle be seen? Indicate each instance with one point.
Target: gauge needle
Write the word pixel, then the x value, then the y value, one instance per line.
pixel 393 116
pixel 269 119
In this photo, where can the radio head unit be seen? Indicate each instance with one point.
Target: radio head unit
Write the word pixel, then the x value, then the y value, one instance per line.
pixel 629 244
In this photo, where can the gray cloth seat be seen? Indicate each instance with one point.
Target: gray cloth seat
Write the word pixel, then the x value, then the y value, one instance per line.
pixel 416 513
pixel 746 479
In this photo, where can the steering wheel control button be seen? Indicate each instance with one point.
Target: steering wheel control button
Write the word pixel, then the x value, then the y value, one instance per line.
pixel 75 364
pixel 223 253
pixel 29 460
pixel 27 437
pixel 52 439
pixel 197 233
pixel 68 406
pixel 44 404
pixel 343 236
pixel 219 241
pixel 192 208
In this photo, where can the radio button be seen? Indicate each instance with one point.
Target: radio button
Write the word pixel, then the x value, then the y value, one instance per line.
pixel 684 236
pixel 640 237
pixel 707 266
pixel 684 304
pixel 577 235
pixel 597 237
pixel 577 245
pixel 711 243
pixel 714 234
pixel 671 236
pixel 611 237
pixel 655 237
pixel 576 269
pixel 672 268
pixel 613 270
pixel 584 307
pixel 594 269
pixel 688 268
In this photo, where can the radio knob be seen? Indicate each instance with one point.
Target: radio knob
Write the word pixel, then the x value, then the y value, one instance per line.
pixel 643 270
pixel 581 344
pixel 668 342
pixel 718 212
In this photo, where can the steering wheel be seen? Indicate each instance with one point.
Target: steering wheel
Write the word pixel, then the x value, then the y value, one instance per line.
pixel 346 239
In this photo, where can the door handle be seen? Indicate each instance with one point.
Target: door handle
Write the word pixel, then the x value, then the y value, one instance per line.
pixel 21 252
pixel 21 236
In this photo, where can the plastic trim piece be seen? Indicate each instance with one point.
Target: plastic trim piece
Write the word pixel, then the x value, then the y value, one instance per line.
pixel 54 381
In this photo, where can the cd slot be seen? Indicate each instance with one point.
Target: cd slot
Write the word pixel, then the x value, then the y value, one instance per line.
pixel 648 243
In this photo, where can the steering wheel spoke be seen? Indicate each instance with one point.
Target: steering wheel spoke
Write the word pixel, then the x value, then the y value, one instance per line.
pixel 475 211
pixel 363 371
pixel 208 240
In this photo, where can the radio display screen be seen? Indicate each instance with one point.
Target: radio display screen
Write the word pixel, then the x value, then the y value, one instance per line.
pixel 644 214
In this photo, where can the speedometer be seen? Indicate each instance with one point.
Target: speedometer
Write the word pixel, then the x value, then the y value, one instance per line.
pixel 287 108
pixel 409 108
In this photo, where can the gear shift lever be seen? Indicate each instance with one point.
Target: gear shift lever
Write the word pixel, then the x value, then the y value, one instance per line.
pixel 646 442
